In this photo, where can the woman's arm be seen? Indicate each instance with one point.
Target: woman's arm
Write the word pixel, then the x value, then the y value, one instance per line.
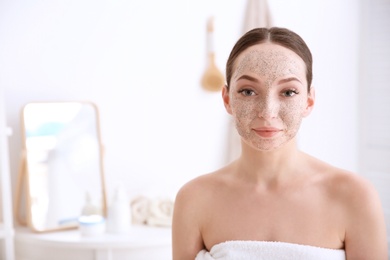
pixel 365 236
pixel 186 236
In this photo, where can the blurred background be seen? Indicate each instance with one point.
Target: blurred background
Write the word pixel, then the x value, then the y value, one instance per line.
pixel 141 63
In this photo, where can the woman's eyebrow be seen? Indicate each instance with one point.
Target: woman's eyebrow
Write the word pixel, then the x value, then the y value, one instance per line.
pixel 247 77
pixel 288 80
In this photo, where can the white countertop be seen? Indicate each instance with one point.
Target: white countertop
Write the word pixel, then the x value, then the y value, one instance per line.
pixel 137 237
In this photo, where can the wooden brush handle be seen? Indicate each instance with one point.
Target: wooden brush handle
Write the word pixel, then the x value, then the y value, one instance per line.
pixel 210 35
pixel 213 79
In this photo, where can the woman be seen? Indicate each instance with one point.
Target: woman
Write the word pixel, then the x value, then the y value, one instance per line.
pixel 274 201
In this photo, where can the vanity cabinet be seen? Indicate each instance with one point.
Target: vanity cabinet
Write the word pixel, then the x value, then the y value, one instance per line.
pixel 6 220
pixel 140 243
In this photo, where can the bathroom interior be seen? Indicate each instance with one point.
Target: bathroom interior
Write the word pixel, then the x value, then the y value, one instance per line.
pixel 134 69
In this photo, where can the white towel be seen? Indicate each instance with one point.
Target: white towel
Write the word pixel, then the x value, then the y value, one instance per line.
pixel 152 212
pixel 259 250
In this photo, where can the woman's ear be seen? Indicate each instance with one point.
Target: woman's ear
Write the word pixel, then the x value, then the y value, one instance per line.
pixel 310 101
pixel 226 99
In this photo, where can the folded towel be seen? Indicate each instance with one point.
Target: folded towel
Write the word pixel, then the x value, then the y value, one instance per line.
pixel 259 250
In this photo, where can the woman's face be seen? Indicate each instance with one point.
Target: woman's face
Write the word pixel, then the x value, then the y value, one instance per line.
pixel 268 95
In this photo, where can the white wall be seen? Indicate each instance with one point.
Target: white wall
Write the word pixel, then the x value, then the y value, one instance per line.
pixel 374 102
pixel 141 63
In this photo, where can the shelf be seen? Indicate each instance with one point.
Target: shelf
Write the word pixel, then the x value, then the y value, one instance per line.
pixel 6 227
pixel 4 233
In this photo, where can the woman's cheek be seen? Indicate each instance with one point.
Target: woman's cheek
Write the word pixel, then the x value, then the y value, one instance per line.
pixel 291 115
pixel 244 113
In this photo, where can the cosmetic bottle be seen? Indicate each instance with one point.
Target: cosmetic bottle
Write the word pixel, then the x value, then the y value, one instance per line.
pixel 119 214
pixel 89 208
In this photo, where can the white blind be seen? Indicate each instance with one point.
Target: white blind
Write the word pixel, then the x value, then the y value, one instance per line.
pixel 374 99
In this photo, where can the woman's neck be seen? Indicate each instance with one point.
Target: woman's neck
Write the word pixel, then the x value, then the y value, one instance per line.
pixel 269 167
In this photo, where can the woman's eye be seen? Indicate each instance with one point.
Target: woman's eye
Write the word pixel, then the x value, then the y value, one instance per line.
pixel 247 92
pixel 290 93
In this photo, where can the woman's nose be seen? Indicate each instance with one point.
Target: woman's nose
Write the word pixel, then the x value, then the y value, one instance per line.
pixel 268 108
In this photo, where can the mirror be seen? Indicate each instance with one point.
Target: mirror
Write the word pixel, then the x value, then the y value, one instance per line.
pixel 62 163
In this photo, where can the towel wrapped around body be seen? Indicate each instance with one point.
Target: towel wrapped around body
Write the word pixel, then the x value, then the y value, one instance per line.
pixel 259 250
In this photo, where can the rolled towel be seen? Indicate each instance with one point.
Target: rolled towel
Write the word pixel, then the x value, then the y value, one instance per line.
pixel 140 210
pixel 161 212
pixel 251 250
pixel 152 212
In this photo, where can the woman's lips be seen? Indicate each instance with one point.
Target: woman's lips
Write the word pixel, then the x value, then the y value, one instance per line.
pixel 267 132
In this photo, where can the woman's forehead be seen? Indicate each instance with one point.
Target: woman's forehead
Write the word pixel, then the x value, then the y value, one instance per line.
pixel 269 60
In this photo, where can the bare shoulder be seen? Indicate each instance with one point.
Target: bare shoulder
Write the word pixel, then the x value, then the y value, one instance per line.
pixel 195 195
pixel 197 188
pixel 343 185
pixel 202 186
pixel 361 211
pixel 189 211
pixel 352 190
pixel 350 186
pixel 365 228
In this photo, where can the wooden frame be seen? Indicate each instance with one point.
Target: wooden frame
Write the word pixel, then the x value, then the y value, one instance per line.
pixel 24 181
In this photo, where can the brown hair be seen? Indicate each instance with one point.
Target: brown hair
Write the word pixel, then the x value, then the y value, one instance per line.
pixel 277 35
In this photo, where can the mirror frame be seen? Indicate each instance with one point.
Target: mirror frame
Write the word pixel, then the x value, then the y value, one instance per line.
pixel 23 184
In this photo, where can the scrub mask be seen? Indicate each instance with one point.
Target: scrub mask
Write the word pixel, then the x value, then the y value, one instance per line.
pixel 268 106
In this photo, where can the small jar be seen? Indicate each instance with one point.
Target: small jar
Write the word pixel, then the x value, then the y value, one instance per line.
pixel 91 225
